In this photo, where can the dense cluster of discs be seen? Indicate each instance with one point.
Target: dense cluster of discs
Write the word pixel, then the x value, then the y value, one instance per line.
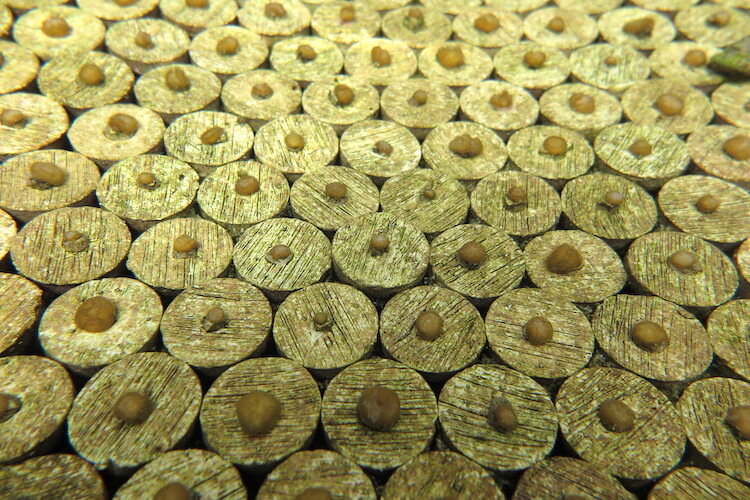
pixel 340 250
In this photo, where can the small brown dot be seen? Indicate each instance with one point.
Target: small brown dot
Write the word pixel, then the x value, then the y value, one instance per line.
pixel 466 146
pixel 197 4
pixel 534 59
pixel 669 105
pixel 611 60
pixel 429 194
pixel 173 491
pixel 47 174
pixel 616 416
pixel 247 185
pixel 429 325
pixel 516 195
pixel 336 190
pixel 719 19
pixel 418 98
pixel 707 204
pixel 91 74
pixel 258 412
pixel 262 91
pixel 640 148
pixel 322 320
pixel 214 319
pixel 125 3
pixel 582 103
pixel 555 145
pixel 380 57
pixel 343 95
pixel 695 57
pixel 56 27
pixel 648 335
pixel 684 261
pixel 184 244
pixel 314 493
pixel 143 40
pixel 133 408
pixel 641 27
pixel 274 10
pixel 737 147
pixel 74 241
pixel 538 331
pixel 738 418
pixel 450 57
pixel 564 259
pixel 347 14
pixel 613 199
pixel 280 252
pixel 472 254
pixel 12 118
pixel 383 148
pixel 123 124
pixel 95 315
pixel 502 415
pixel 176 79
pixel 146 179
pixel 501 100
pixel 487 23
pixel 71 236
pixel 213 135
pixel 414 19
pixel 379 243
pixel 379 408
pixel 556 24
pixel 306 53
pixel 227 46
pixel 294 141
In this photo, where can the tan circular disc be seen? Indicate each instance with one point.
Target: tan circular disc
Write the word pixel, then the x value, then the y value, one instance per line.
pixel 20 306
pixel 112 11
pixel 20 66
pixel 397 25
pixel 729 336
pixel 52 476
pixel 730 102
pixel 170 43
pixel 589 65
pixel 695 24
pixel 476 67
pixel 705 146
pixel 578 29
pixel 86 31
pixel 359 61
pixel 45 121
pixel 251 51
pixel 509 30
pixel 326 22
pixel 476 106
pixel 450 7
pixel 526 150
pixel 437 152
pixel 700 484
pixel 296 19
pixel 396 105
pixel 258 109
pixel 216 13
pixel 285 59
pixel 555 105
pixel 359 150
pixel 612 28
pixel 669 61
pixel 510 66
pixel 319 101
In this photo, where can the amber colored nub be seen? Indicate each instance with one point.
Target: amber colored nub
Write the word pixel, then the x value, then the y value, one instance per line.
pixel 247 185
pixel 611 60
pixel 556 24
pixel 74 241
pixel 379 243
pixel 450 57
pixel 383 148
pixel 616 416
pixel 738 418
pixel 502 100
pixel 418 98
pixel 502 416
pixel 737 147
pixel 294 141
pixel 5 405
pixel 534 59
pixel 343 95
pixel 555 145
pixel 564 259
pixel 213 135
pixel 314 493
pixel 336 190
pixel 466 146
pixel 146 179
pixel 173 491
pixel 47 174
pixel 197 4
pixel 91 74
pixel 95 315
pixel 707 204
pixel 487 23
pixel 640 148
pixel 582 103
pixel 429 325
pixel 228 46
pixel 215 319
pixel 306 52
pixel 538 331
pixel 56 27
pixel 123 124
pixel 516 195
pixel 262 91
pixel 125 3
pixel 321 320
pixel 133 408
pixel 274 10
pixel 414 19
pixel 472 254
pixel 613 199
pixel 347 14
pixel 143 40
pixel 184 244
pixel 429 193
pixel 648 335
pixel 684 261
pixel 12 118
pixel 670 105
pixel 695 57
pixel 280 252
pixel 379 408
pixel 176 79
pixel 720 19
pixel 641 27
pixel 380 57
pixel 258 412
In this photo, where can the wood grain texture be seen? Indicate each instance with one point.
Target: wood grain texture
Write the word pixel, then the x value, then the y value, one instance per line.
pixel 464 405
pixel 402 265
pixel 687 355
pixel 742 261
pixel 441 105
pixel 568 351
pixel 45 393
pixel 476 106
pixel 649 450
pixel 326 23
pixel 20 306
pixel 310 202
pixel 502 270
pixel 458 345
pixel 569 476
pixel 403 196
pixel 729 335
pixel 705 148
pixel 87 32
pixel 437 27
pixel 170 43
pixel 700 484
pixel 449 7
pixel 218 13
pixel 554 105
pixel 588 7
pixel 476 67
pixel 667 62
pixel 309 262
pixel 439 474
pixel 665 5
pixel 601 275
pixel 647 262
pixel 728 102
pixel 204 473
pixel 516 5
pixel 286 380
pixel 219 201
pixel 358 61
pixel 20 65
pixel 693 24
pixel 8 230
pixel 583 204
pixel 252 50
pixel 111 11
pixel 438 155
pixel 285 100
pixel 120 193
pixel 509 31
pixel 52 476
pixel 152 258
pixel 525 151
pixel 343 478
pixel 379 451
pixel 318 102
pixel 113 445
pixel 509 66
pixel 328 60
pixel 46 122
pixel 611 26
pixel 588 64
pixel 349 338
pixel 580 30
pixel 38 254
pixel 358 149
pixel 152 92
pixel 296 20
pixel 538 214
pixel 703 407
